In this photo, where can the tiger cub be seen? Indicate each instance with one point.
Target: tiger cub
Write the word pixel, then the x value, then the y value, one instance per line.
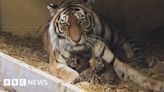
pixel 98 73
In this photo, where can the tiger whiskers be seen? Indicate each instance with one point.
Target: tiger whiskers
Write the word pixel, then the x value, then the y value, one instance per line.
pixel 91 40
pixel 90 44
pixel 95 37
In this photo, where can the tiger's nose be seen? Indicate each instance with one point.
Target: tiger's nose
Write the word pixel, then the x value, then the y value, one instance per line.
pixel 76 38
pixel 75 34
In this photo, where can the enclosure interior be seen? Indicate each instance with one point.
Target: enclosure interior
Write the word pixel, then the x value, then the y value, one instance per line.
pixel 144 19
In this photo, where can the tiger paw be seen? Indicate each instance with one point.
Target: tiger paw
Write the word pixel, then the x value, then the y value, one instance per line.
pixel 64 72
pixel 96 64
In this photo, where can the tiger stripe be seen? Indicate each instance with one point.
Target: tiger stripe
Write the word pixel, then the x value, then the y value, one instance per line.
pixel 92 40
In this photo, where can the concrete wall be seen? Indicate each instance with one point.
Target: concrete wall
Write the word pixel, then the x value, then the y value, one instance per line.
pixel 133 15
pixel 23 16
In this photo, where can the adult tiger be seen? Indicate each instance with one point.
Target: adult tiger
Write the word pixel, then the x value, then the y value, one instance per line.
pixel 74 21
pixel 74 28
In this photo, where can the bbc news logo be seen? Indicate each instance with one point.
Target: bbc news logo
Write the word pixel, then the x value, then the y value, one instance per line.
pixel 24 82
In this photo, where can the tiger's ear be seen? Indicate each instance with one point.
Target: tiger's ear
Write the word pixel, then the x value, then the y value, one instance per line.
pixel 52 8
pixel 88 2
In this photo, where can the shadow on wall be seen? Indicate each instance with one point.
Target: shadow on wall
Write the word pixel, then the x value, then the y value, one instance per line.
pixel 133 15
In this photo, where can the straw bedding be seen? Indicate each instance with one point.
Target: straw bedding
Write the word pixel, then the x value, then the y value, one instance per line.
pixel 29 49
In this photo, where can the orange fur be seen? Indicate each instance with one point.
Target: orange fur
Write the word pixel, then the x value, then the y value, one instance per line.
pixel 59 70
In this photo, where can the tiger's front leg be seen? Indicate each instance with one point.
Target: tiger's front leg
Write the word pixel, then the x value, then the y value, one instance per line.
pixel 61 70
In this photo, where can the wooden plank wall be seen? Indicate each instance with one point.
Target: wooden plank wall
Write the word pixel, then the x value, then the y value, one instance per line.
pixel 28 16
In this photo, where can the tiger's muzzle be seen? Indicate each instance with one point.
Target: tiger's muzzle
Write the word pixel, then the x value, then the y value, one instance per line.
pixel 77 45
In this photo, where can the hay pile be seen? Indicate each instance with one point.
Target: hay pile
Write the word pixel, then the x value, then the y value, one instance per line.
pixel 26 48
pixel 29 48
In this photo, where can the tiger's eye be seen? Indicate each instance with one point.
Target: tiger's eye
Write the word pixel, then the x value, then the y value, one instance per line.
pixel 82 16
pixel 82 21
pixel 79 13
pixel 64 25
